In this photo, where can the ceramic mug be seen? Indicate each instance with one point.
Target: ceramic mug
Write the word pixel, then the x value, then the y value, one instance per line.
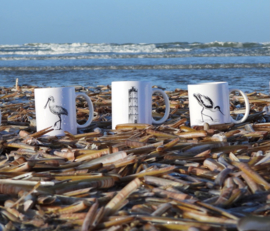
pixel 132 103
pixel 56 107
pixel 210 103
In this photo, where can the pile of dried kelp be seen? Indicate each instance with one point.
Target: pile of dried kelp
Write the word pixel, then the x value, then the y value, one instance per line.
pixel 138 176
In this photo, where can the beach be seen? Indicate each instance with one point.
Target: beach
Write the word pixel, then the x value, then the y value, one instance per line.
pixel 137 176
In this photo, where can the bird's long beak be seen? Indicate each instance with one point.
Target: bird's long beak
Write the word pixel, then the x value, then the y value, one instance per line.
pixel 47 103
pixel 221 112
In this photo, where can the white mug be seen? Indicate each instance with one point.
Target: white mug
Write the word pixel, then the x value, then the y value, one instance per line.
pixel 210 103
pixel 132 103
pixel 56 107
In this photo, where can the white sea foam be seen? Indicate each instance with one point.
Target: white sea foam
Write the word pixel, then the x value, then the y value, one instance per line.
pixel 75 48
pixel 142 50
pixel 225 44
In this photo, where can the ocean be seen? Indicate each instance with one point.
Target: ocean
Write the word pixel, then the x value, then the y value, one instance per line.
pixel 168 65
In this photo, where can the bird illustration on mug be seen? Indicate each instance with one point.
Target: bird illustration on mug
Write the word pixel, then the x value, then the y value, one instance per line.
pixel 56 110
pixel 207 104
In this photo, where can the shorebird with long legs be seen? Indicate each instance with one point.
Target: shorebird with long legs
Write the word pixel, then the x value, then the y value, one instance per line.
pixel 206 103
pixel 57 110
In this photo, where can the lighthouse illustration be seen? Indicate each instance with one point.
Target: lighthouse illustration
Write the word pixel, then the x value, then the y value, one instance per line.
pixel 133 105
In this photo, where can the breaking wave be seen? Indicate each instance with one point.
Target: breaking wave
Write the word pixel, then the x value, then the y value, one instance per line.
pixel 179 49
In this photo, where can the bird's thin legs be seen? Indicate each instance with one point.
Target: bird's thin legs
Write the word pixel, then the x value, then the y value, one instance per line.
pixel 205 115
pixel 60 121
pixel 202 114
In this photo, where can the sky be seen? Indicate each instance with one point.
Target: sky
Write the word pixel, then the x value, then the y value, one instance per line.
pixel 133 21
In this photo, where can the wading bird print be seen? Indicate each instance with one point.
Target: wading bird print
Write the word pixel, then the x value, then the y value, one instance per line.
pixel 206 103
pixel 57 110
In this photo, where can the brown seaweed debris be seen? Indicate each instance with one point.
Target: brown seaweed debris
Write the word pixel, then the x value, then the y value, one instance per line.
pixel 138 176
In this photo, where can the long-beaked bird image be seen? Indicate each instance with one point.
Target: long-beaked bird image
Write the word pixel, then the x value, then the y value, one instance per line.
pixel 206 103
pixel 57 110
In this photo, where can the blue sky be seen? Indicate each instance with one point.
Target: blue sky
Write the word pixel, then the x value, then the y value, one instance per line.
pixel 133 21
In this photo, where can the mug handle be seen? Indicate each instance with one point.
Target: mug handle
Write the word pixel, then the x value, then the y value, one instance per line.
pixel 167 110
pixel 91 110
pixel 246 103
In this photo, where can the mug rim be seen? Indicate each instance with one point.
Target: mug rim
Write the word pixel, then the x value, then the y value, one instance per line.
pixel 53 88
pixel 127 81
pixel 208 83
